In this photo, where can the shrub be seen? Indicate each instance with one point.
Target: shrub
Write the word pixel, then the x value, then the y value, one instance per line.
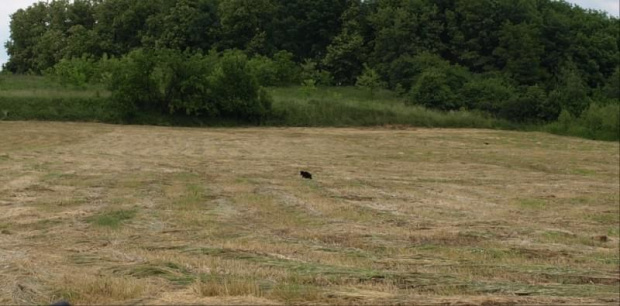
pixel 369 80
pixel 287 70
pixel 570 93
pixel 600 122
pixel 57 109
pixel 486 94
pixel 406 70
pixel 183 83
pixel 105 68
pixel 279 71
pixel 76 72
pixel 526 106
pixel 174 82
pixel 438 83
pixel 310 71
pixel 612 88
pixel 133 85
pixel 402 72
pixel 265 70
pixel 236 91
pixel 432 91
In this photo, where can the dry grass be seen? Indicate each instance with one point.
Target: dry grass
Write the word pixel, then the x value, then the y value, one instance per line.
pixel 101 214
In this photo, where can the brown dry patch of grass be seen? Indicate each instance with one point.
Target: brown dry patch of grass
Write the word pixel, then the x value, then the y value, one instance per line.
pixel 101 214
pixel 85 289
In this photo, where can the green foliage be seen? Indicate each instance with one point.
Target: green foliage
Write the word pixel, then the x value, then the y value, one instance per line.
pixel 57 109
pixel 344 57
pixel 292 106
pixel 571 93
pixel 310 73
pixel 526 106
pixel 183 83
pixel 76 72
pixel 521 60
pixel 305 27
pixel 520 52
pixel 279 71
pixel 486 94
pixel 112 219
pixel 287 71
pixel 406 68
pixel 245 25
pixel 369 80
pixel 438 84
pixel 185 24
pixel 168 81
pixel 403 27
pixel 349 50
pixel 265 70
pixel 600 122
pixel 27 27
pixel 612 87
pixel 308 86
pixel 235 91
pixel 432 91
pixel 352 106
pixel 134 85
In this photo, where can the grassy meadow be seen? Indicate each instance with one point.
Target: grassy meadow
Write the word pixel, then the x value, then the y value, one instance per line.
pixel 41 98
pixel 44 98
pixel 110 214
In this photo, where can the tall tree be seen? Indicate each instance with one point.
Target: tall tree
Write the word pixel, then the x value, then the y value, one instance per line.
pixel 185 24
pixel 248 25
pixel 404 27
pixel 520 52
pixel 348 50
pixel 27 27
pixel 122 24
pixel 307 27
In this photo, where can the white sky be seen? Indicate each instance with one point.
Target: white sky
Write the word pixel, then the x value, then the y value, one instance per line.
pixel 7 7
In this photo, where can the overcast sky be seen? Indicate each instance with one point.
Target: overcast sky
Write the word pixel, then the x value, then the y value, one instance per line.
pixel 7 7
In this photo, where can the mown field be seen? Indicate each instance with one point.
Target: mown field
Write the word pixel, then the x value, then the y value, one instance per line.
pixel 101 214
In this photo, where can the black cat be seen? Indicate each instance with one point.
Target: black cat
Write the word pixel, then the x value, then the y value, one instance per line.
pixel 306 175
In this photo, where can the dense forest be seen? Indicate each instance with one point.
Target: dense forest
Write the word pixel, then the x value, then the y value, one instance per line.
pixel 521 60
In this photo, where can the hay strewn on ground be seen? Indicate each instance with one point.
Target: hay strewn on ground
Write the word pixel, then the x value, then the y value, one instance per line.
pixel 122 214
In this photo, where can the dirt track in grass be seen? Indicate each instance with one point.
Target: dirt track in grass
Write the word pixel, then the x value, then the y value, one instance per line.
pixel 100 214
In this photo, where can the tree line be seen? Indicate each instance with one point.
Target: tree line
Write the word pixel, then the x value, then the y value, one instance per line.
pixel 523 60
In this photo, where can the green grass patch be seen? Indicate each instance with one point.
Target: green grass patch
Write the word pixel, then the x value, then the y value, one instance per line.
pixel 558 237
pixel 532 203
pixel 39 98
pixel 295 293
pixel 606 218
pixel 599 122
pixel 348 106
pixel 57 109
pixel 584 172
pixel 580 200
pixel 5 228
pixel 225 285
pixel 169 271
pixel 56 205
pixel 614 231
pixel 192 198
pixel 567 238
pixel 112 219
pixel 40 225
